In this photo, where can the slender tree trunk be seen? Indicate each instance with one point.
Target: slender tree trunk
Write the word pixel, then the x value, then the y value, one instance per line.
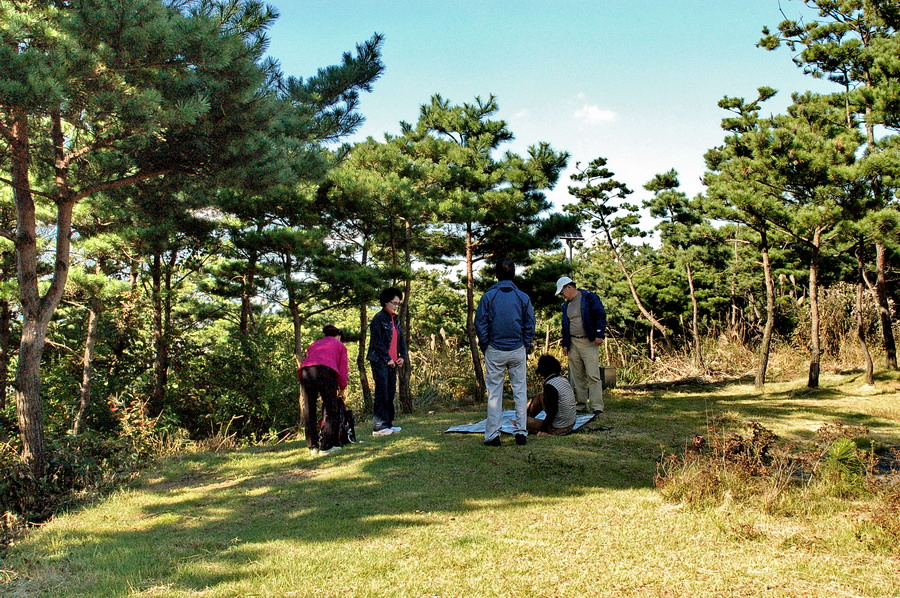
pixel 765 345
pixel 5 333
pixel 297 323
pixel 633 289
pixel 87 371
pixel 815 349
pixel 404 392
pixel 695 317
pixel 160 340
pixel 860 322
pixel 884 307
pixel 248 280
pixel 481 389
pixel 368 402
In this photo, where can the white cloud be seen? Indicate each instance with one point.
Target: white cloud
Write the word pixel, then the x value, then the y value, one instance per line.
pixel 594 115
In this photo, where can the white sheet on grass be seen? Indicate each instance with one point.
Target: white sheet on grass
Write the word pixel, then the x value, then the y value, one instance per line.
pixel 508 428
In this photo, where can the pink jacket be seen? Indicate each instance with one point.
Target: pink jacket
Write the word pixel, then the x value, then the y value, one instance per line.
pixel 332 353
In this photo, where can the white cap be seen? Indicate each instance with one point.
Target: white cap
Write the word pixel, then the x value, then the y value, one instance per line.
pixel 563 282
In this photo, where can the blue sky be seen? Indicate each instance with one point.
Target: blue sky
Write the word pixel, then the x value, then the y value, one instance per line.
pixel 635 82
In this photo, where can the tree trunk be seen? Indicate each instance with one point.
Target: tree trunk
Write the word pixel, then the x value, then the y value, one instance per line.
pixel 695 317
pixel 368 403
pixel 404 392
pixel 36 309
pixel 160 341
pixel 860 322
pixel 88 367
pixel 28 396
pixel 884 307
pixel 765 345
pixel 481 389
pixel 248 280
pixel 815 349
pixel 5 333
pixel 633 289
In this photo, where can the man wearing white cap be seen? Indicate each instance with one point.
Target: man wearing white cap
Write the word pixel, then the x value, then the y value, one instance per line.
pixel 583 327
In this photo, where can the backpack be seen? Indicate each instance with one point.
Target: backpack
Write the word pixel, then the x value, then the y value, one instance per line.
pixel 346 426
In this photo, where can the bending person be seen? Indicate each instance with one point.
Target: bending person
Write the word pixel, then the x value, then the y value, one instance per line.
pixel 323 372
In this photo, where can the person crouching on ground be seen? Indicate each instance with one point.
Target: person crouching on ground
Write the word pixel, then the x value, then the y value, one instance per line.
pixel 557 401
pixel 323 372
pixel 387 352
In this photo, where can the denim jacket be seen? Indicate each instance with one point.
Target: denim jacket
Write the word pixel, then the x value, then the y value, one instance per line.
pixel 380 338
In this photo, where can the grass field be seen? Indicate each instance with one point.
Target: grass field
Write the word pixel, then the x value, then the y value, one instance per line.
pixel 421 513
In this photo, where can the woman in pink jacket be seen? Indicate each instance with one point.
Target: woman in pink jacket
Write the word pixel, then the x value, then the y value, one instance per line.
pixel 324 372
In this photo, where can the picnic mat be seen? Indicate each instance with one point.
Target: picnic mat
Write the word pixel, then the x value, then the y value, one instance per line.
pixel 507 427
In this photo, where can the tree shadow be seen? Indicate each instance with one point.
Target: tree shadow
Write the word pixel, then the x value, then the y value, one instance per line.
pixel 226 510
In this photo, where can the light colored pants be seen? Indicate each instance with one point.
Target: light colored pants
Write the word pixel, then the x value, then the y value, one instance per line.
pixel 496 364
pixel 584 374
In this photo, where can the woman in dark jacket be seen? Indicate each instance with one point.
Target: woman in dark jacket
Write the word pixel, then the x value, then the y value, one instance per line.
pixel 387 352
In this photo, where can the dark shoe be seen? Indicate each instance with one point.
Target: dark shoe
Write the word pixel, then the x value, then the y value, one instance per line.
pixel 495 441
pixel 598 411
pixel 521 439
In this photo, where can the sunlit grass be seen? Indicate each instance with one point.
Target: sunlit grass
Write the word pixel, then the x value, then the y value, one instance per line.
pixel 423 513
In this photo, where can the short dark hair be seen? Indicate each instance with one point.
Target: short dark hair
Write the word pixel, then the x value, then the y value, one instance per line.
pixel 505 269
pixel 548 365
pixel 388 294
pixel 332 330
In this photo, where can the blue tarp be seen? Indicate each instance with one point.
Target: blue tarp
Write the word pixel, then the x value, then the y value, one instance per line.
pixel 507 427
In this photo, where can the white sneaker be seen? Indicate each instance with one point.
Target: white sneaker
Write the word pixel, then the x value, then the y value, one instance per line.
pixel 396 428
pixel 333 449
pixel 383 432
pixel 313 452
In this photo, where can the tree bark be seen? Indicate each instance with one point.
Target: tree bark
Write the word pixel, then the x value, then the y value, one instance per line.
pixel 480 389
pixel 36 309
pixel 248 280
pixel 765 345
pixel 815 349
pixel 160 340
pixel 404 391
pixel 88 366
pixel 368 402
pixel 695 317
pixel 860 322
pixel 884 307
pixel 5 333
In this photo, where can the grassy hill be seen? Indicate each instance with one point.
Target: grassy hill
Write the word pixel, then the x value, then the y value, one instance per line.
pixel 422 513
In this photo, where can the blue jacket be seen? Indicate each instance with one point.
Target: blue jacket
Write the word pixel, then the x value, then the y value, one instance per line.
pixel 593 316
pixel 380 338
pixel 505 318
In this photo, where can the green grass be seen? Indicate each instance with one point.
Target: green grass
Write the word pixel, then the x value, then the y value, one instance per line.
pixel 422 513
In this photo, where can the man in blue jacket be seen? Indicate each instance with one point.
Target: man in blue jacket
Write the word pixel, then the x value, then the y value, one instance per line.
pixel 583 328
pixel 504 323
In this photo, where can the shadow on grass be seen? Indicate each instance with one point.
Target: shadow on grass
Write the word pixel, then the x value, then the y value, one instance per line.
pixel 226 509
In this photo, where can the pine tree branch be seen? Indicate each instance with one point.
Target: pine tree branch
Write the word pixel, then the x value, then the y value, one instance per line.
pixel 28 189
pixel 116 183
pixel 72 157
